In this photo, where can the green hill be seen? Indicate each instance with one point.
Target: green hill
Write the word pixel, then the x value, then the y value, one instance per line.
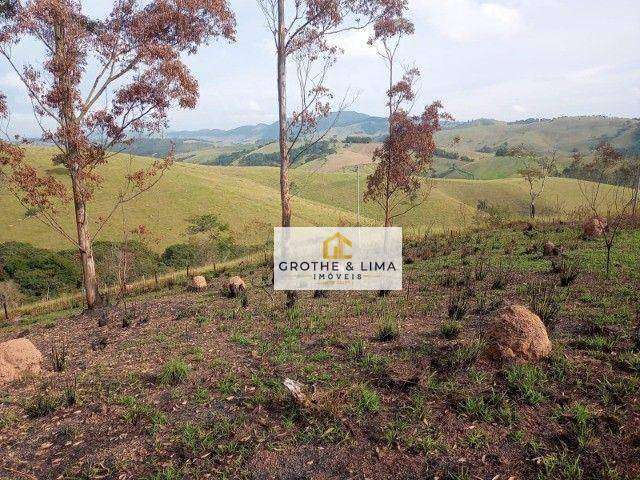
pixel 248 199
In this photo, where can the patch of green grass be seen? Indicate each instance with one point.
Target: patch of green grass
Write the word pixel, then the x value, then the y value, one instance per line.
pixel 598 343
pixel 41 404
pixel 630 361
pixel 366 400
pixel 374 364
pixel 450 329
pixel 388 330
pixel 356 348
pixel 168 473
pixel 175 371
pixel 229 385
pixel 527 381
pixel 137 412
pixel 476 438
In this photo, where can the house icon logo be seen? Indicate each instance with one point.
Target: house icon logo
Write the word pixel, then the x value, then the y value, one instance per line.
pixel 334 247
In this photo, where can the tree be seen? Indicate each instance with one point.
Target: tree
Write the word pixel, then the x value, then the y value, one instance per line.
pixel 301 31
pixel 536 170
pixel 136 50
pixel 409 147
pixel 610 204
pixel 211 237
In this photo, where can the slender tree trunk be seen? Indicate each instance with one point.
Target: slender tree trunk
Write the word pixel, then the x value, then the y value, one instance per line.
pixel 85 248
pixel 387 205
pixel 285 194
pixel 285 187
pixel 636 194
pixel 533 210
pixel 75 165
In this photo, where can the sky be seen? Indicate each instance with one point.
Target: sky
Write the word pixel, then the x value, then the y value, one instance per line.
pixel 502 59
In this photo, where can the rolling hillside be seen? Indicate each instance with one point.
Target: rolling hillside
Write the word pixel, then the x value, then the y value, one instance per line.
pixel 562 133
pixel 248 199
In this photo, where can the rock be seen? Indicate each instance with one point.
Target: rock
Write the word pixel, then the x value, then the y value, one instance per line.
pixel 198 283
pixel 236 286
pixel 550 249
pixel 128 288
pixel 18 357
pixel 594 227
pixel 518 333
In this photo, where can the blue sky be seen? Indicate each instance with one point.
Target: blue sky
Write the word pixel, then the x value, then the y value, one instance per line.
pixel 504 59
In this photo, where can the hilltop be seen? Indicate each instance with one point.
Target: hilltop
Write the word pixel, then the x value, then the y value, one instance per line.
pixel 484 135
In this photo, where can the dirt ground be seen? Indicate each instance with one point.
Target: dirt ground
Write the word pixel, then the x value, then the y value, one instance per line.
pixel 183 385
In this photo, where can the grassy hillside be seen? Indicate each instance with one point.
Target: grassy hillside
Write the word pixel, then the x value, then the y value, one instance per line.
pixel 248 199
pixel 250 207
pixel 565 133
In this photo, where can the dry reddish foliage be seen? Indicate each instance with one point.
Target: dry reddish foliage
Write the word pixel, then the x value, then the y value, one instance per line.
pixel 406 153
pixel 136 50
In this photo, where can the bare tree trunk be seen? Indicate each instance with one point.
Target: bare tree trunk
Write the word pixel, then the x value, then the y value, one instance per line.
pixel 73 164
pixel 636 194
pixel 89 276
pixel 285 187
pixel 533 210
pixel 285 194
pixel 387 206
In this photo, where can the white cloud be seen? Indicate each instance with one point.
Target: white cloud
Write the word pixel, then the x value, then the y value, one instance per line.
pixel 10 80
pixel 354 44
pixel 470 20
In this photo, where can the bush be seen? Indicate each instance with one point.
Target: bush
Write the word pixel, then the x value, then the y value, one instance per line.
pixel 502 150
pixel 181 256
pixel 10 291
pixel 545 302
pixel 450 329
pixel 37 271
pixel 140 260
pixel 388 330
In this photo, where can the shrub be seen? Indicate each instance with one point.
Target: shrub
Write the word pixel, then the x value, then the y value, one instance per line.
pixel 500 278
pixel 546 302
pixel 181 256
pixel 10 293
pixel 137 412
pixel 388 330
pixel 486 302
pixel 140 260
pixel 59 358
pixel 458 305
pixel 40 405
pixel 39 272
pixel 451 329
pixel 174 371
pixel 568 270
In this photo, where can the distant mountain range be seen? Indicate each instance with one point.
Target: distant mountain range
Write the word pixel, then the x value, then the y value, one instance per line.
pixel 563 133
pixel 342 124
